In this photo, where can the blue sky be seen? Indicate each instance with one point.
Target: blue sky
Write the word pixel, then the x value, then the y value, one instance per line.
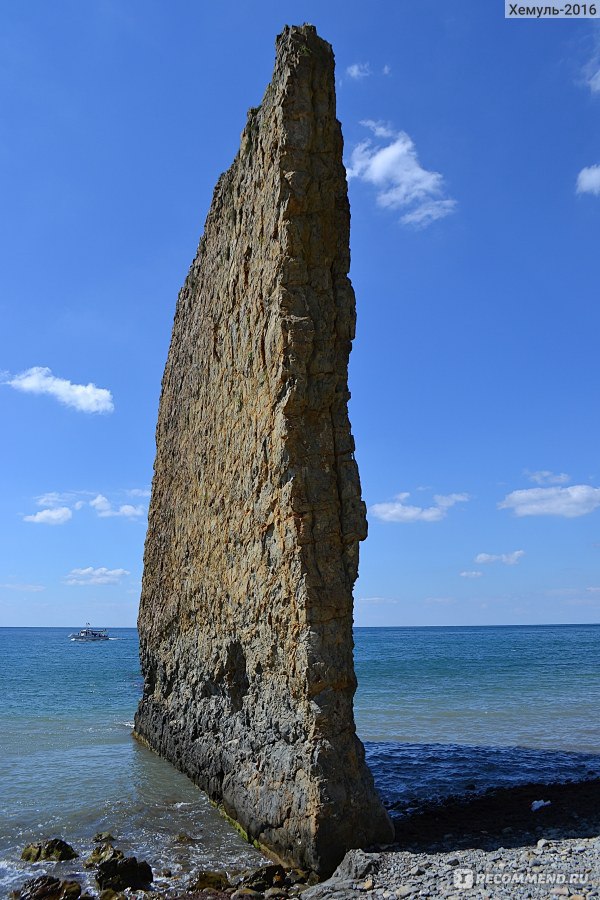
pixel 473 146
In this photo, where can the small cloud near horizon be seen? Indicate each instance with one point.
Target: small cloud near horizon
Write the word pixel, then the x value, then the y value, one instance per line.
pixel 377 601
pixel 399 511
pixel 138 492
pixel 85 398
pixel 570 502
pixel 62 498
pixel 439 601
pixel 508 559
pixel 471 574
pixel 57 516
pixel 97 576
pixel 56 511
pixel 105 509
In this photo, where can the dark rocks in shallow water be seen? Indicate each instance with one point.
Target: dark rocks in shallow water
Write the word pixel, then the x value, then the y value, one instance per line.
pixel 101 854
pixel 55 849
pixel 119 874
pixel 184 838
pixel 46 887
pixel 101 837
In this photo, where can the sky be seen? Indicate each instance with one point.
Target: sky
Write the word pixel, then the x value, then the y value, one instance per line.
pixel 472 145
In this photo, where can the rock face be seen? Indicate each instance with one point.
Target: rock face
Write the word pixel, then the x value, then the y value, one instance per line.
pixel 252 549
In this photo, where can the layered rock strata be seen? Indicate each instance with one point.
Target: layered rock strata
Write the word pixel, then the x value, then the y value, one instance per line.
pixel 256 513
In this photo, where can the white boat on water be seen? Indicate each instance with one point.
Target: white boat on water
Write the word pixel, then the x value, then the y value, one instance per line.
pixel 90 634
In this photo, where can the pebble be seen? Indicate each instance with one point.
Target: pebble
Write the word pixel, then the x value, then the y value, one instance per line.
pixel 543 868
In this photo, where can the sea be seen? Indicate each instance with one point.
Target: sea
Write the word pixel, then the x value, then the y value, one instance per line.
pixel 442 711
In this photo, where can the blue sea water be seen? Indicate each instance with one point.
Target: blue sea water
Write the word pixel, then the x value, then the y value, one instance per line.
pixel 441 710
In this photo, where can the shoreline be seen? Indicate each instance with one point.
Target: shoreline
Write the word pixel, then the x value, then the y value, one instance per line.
pixel 496 836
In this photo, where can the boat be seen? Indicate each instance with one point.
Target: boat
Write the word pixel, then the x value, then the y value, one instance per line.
pixel 90 634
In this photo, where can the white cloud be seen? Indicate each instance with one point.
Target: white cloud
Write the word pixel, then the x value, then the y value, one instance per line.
pixel 546 477
pixel 398 511
pixel 57 516
pixel 588 180
pixel 594 82
pixel 471 574
pixel 56 510
pixel 441 601
pixel 509 559
pixel 24 588
pixel 90 575
pixel 101 505
pixel 387 70
pixel 429 212
pixel 105 509
pixel 358 71
pixel 445 501
pixel 570 502
pixel 399 179
pixel 53 498
pixel 379 128
pixel 139 492
pixel 56 498
pixel 591 70
pixel 377 601
pixel 593 590
pixel 82 397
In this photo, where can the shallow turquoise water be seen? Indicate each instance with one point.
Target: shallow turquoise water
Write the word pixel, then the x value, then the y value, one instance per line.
pixel 440 710
pixel 69 766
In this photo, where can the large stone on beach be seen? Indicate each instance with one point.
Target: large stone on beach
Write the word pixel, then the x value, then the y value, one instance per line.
pixel 46 887
pixel 265 877
pixel 200 881
pixel 119 874
pixel 102 853
pixel 55 849
pixel 256 513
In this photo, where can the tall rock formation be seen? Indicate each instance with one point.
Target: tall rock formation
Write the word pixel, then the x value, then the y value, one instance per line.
pixel 252 548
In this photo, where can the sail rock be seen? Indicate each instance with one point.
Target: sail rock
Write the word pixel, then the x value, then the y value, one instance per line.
pixel 256 513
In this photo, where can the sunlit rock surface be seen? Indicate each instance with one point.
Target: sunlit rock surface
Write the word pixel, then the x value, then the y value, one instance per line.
pixel 256 512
